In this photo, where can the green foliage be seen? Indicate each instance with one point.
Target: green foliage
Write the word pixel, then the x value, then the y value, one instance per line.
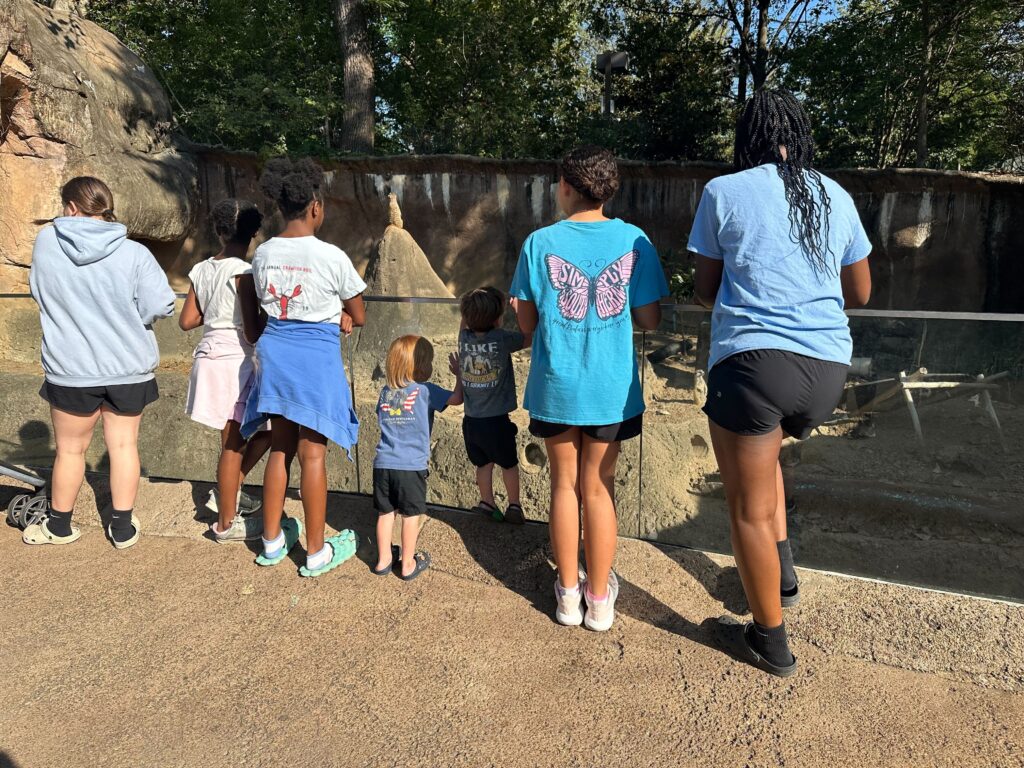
pixel 263 75
pixel 503 78
pixel 513 78
pixel 681 274
pixel 674 101
pixel 861 74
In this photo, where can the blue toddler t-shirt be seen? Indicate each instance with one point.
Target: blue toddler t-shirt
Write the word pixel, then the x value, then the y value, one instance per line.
pixel 772 296
pixel 406 417
pixel 585 277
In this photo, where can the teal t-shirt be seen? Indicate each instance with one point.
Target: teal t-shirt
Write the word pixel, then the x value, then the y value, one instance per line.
pixel 772 296
pixel 585 277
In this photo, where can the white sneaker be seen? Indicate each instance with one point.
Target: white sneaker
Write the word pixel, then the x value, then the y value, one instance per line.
pixel 568 602
pixel 241 529
pixel 244 503
pixel 600 615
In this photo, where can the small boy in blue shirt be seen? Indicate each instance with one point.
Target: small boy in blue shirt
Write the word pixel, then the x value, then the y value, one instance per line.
pixel 405 412
pixel 489 386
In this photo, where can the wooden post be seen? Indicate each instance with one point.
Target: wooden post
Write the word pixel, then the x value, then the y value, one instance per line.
pixel 986 399
pixel 908 398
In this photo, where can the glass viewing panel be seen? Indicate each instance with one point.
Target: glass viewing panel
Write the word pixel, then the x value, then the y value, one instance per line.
pixel 917 477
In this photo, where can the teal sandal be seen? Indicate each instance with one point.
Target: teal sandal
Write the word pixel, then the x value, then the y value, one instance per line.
pixel 292 529
pixel 343 547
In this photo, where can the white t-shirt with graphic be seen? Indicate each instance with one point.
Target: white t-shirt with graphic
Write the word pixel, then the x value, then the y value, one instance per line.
pixel 214 283
pixel 304 278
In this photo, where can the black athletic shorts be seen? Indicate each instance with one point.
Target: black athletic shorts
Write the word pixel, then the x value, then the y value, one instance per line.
pixel 491 440
pixel 604 433
pixel 85 401
pixel 400 490
pixel 752 393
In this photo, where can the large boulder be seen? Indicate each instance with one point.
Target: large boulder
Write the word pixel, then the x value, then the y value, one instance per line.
pixel 399 268
pixel 75 101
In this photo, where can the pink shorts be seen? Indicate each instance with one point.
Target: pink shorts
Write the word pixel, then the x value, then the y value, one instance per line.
pixel 222 376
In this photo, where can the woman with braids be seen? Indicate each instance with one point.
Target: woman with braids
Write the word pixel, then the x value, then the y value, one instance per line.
pixel 221 299
pixel 780 252
pixel 99 294
pixel 311 293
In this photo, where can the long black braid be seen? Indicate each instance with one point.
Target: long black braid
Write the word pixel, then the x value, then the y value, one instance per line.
pixel 773 118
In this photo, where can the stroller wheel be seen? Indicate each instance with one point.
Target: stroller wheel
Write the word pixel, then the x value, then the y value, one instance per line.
pixel 34 512
pixel 16 508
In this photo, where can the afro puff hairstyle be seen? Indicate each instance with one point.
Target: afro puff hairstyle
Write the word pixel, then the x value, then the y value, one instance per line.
pixel 236 221
pixel 292 184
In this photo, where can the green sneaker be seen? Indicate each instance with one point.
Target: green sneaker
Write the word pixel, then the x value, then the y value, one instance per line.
pixel 489 510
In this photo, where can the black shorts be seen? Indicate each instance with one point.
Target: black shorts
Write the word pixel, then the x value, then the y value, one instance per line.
pixel 85 401
pixel 752 393
pixel 400 490
pixel 491 440
pixel 604 433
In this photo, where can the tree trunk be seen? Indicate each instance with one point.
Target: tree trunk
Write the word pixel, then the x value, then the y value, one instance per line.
pixel 358 122
pixel 924 85
pixel 744 69
pixel 761 58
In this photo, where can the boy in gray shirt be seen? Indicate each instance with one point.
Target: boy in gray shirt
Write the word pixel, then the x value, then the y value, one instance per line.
pixel 488 381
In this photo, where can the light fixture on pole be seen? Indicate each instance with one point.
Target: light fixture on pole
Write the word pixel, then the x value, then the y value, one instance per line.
pixel 609 62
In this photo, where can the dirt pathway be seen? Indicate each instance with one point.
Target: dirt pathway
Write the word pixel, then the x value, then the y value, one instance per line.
pixel 181 652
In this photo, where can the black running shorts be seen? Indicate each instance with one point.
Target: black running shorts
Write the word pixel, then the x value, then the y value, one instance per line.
pixel 128 399
pixel 604 433
pixel 752 393
pixel 491 440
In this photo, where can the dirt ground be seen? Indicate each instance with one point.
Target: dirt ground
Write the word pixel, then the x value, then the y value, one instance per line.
pixel 181 652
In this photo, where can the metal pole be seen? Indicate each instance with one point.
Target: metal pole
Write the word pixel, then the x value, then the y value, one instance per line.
pixel 608 87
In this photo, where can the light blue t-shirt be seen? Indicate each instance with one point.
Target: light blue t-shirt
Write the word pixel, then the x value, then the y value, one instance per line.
pixel 772 297
pixel 585 277
pixel 406 417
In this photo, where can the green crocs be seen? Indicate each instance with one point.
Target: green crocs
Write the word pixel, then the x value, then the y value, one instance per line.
pixel 343 546
pixel 292 529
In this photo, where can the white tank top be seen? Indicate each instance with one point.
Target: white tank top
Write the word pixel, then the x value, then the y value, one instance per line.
pixel 214 284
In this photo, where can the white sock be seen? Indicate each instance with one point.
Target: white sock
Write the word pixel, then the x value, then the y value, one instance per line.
pixel 569 592
pixel 273 547
pixel 320 559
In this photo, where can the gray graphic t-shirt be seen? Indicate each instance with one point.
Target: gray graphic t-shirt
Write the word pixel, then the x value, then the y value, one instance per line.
pixel 485 364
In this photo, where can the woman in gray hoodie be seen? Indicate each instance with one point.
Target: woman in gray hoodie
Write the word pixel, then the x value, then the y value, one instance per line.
pixel 98 294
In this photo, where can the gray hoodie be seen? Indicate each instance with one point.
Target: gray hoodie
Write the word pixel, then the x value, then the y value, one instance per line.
pixel 98 292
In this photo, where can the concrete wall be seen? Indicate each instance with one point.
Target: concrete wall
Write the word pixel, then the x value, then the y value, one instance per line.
pixel 943 241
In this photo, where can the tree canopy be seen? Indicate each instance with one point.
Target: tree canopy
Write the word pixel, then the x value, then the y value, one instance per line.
pixel 888 82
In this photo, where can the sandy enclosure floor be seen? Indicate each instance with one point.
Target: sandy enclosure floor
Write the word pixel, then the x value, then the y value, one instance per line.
pixel 181 652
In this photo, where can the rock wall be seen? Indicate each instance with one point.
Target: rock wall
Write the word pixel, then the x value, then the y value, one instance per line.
pixel 74 101
pixel 943 241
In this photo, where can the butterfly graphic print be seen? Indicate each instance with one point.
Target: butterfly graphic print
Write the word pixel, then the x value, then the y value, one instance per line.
pixel 577 291
pixel 396 403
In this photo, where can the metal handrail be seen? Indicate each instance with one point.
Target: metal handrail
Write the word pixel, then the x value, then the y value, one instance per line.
pixel 892 314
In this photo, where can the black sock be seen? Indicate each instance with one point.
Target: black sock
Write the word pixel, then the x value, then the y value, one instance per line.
pixel 58 523
pixel 121 528
pixel 786 565
pixel 770 643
